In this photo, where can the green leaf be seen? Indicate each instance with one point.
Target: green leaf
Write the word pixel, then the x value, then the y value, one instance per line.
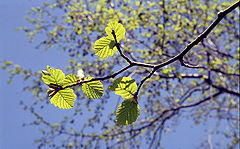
pixel 64 99
pixel 69 80
pixel 104 47
pixel 118 28
pixel 53 76
pixel 92 89
pixel 127 112
pixel 124 86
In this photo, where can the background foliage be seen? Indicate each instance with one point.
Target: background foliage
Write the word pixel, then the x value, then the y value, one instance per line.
pixel 155 32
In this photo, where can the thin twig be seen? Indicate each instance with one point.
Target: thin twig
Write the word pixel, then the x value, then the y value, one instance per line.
pixel 203 35
pixel 163 114
pixel 119 49
pixel 187 65
pixel 221 15
pixel 101 78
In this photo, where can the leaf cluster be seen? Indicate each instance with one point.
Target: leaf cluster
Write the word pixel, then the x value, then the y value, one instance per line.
pixel 63 96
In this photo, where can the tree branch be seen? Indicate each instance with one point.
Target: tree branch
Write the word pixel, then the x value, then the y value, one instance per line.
pixel 134 63
pixel 179 57
pixel 203 35
pixel 166 111
pixel 101 78
pixel 119 49
pixel 221 15
pixel 187 65
pixel 226 90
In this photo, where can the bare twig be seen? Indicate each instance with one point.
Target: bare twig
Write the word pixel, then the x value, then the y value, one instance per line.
pixel 134 63
pixel 119 49
pixel 187 65
pixel 227 90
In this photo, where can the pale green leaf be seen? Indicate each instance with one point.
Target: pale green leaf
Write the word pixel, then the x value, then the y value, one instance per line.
pixel 124 86
pixel 118 29
pixel 53 76
pixel 64 99
pixel 92 89
pixel 69 80
pixel 104 47
pixel 127 112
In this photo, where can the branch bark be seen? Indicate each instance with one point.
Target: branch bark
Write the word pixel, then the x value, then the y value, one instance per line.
pixel 203 35
pixel 179 56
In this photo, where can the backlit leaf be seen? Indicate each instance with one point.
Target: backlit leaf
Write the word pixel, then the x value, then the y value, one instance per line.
pixel 69 80
pixel 118 28
pixel 53 76
pixel 92 89
pixel 124 86
pixel 127 112
pixel 64 99
pixel 104 47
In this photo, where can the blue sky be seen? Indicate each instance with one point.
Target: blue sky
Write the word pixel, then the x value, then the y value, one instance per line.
pixel 16 48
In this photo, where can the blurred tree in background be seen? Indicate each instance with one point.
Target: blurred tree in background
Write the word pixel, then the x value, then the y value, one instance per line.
pixel 156 31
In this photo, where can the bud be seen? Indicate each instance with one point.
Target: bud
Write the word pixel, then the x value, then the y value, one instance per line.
pixel 80 74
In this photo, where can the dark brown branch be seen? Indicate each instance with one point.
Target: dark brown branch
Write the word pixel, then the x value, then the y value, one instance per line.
pixel 125 140
pixel 142 82
pixel 119 49
pixel 171 76
pixel 142 64
pixel 134 63
pixel 221 15
pixel 220 71
pixel 226 90
pixel 203 35
pixel 161 126
pixel 101 78
pixel 164 116
pixel 180 56
pixel 197 103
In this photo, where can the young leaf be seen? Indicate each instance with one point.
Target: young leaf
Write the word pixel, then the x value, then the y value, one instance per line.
pixel 104 47
pixel 64 99
pixel 124 86
pixel 53 76
pixel 127 112
pixel 92 89
pixel 118 28
pixel 69 80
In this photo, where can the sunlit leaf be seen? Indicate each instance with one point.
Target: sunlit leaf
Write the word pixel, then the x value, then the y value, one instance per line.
pixel 118 29
pixel 127 112
pixel 92 89
pixel 69 80
pixel 124 86
pixel 52 76
pixel 104 47
pixel 64 99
